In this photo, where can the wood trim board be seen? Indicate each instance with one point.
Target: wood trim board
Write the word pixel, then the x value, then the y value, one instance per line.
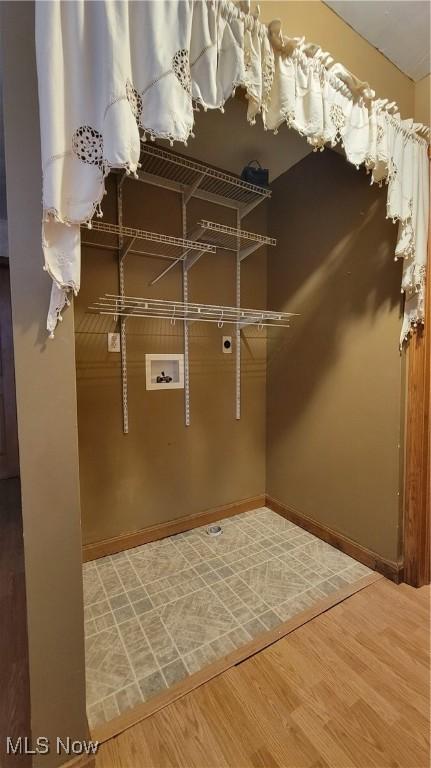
pixel 9 457
pixel 392 570
pixel 133 716
pixel 162 530
pixel 417 525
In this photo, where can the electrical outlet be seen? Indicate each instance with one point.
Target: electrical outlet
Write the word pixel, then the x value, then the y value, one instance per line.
pixel 114 344
pixel 227 345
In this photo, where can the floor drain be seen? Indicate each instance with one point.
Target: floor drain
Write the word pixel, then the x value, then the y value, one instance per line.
pixel 214 530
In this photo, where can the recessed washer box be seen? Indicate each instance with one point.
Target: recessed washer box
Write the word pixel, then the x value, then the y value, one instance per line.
pixel 164 371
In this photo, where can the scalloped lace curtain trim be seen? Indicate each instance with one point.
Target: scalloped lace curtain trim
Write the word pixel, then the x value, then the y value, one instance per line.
pixel 94 117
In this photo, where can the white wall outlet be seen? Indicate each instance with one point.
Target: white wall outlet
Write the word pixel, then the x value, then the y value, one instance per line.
pixel 114 343
pixel 227 345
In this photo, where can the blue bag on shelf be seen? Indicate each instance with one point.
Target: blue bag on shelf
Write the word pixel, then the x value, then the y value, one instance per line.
pixel 255 174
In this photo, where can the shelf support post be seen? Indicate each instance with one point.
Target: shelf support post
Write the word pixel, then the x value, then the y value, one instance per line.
pixel 238 325
pixel 122 252
pixel 185 323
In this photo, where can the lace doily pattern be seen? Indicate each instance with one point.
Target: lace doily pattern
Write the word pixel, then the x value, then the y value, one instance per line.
pixel 135 100
pixel 286 79
pixel 337 117
pixel 181 69
pixel 87 144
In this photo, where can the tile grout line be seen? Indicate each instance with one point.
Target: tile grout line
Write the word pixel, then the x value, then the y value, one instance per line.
pixel 180 656
pixel 212 588
pixel 312 539
pixel 159 667
pixel 209 555
pixel 170 636
pixel 124 647
pixel 207 644
pixel 157 609
pixel 204 645
pixel 251 588
pixel 218 598
pixel 143 584
pixel 224 580
pixel 270 554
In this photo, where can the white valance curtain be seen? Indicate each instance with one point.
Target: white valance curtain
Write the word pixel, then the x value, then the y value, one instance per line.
pixel 112 73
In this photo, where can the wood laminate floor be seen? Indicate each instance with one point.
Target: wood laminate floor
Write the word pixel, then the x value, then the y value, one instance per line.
pixel 348 689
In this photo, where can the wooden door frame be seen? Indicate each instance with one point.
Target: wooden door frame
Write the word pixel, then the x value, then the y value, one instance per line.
pixel 417 529
pixel 10 464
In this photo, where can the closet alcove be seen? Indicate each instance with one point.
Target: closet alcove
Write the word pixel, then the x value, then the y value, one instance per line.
pixel 259 439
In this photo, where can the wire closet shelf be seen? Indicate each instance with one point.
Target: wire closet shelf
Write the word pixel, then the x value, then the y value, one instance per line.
pixel 220 236
pixel 131 306
pixel 162 246
pixel 230 238
pixel 195 179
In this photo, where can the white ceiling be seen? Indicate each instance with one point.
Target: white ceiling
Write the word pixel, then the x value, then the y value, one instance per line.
pixel 400 29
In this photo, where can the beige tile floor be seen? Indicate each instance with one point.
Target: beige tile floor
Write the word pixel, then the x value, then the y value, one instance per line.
pixel 162 611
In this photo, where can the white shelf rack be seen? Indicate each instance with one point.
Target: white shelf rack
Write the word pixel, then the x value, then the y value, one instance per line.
pixel 220 236
pixel 194 179
pixel 230 238
pixel 162 246
pixel 190 179
pixel 132 306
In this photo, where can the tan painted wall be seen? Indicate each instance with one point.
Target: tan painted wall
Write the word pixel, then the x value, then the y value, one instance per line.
pixel 316 22
pixel 334 381
pixel 45 382
pixel 422 95
pixel 251 142
pixel 47 428
pixel 163 470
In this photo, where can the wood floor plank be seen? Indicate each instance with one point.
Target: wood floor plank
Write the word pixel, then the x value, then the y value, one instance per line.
pixel 353 673
pixel 330 749
pixel 288 743
pixel 363 734
pixel 376 657
pixel 236 719
pixel 350 689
